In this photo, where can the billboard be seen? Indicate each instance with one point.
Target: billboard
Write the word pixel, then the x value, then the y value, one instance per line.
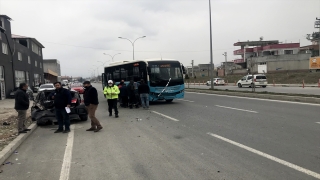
pixel 314 63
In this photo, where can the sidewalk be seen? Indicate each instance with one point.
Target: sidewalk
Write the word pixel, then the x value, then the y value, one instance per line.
pixel 8 122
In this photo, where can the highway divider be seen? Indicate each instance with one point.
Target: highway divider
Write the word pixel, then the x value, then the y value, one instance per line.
pixel 305 98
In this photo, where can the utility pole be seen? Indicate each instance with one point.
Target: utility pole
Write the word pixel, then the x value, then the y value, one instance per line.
pixel 317 25
pixel 211 60
pixel 225 65
pixel 192 75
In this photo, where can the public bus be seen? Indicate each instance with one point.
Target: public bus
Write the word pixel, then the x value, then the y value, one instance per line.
pixel 164 77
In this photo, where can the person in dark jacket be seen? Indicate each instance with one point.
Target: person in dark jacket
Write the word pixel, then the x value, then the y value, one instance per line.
pixel 91 102
pixel 144 91
pixel 124 95
pixel 62 99
pixel 131 95
pixel 21 106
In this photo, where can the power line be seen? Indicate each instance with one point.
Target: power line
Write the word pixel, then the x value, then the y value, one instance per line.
pixel 136 51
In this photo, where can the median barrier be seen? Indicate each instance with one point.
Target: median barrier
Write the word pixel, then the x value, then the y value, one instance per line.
pixel 284 97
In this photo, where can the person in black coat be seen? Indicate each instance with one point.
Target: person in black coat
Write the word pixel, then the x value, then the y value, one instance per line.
pixel 62 99
pixel 132 95
pixel 21 106
pixel 144 91
pixel 124 95
pixel 91 102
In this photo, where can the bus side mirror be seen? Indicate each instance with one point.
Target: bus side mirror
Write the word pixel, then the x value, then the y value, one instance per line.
pixel 183 70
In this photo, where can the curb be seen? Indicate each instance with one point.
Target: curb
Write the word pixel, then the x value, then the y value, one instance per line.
pixel 312 100
pixel 13 145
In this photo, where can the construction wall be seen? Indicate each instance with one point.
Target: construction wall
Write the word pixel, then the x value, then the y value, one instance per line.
pixel 288 65
pixel 287 57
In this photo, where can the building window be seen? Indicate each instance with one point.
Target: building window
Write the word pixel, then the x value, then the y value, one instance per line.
pixel 27 78
pixel 288 51
pixel 36 79
pixel 4 48
pixel 1 73
pixel 40 65
pixel 20 77
pixel 19 56
pixel 35 63
pixel 29 61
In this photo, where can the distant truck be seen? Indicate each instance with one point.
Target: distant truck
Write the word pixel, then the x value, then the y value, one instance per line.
pixel 314 64
pixel 66 82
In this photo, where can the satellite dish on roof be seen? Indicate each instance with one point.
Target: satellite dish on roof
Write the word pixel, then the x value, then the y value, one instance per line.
pixel 261 38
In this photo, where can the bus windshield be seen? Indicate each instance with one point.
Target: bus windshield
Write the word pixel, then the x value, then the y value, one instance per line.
pixel 161 73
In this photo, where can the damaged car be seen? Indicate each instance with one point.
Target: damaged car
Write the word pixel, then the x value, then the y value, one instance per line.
pixel 43 110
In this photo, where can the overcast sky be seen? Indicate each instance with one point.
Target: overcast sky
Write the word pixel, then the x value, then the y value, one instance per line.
pixel 78 32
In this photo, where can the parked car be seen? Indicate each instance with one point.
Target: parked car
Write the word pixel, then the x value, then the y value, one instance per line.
pixel 77 87
pixel 256 80
pixel 216 82
pixel 46 87
pixel 29 92
pixel 43 111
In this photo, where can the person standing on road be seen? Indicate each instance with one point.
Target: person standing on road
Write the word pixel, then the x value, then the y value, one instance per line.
pixel 119 86
pixel 21 106
pixel 144 91
pixel 62 99
pixel 124 95
pixel 131 94
pixel 91 102
pixel 111 91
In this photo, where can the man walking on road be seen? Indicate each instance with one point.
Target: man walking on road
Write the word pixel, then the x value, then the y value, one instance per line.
pixel 62 99
pixel 111 91
pixel 144 91
pixel 91 102
pixel 21 106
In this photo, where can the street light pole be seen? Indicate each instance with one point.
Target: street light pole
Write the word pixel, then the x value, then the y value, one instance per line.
pixel 111 56
pixel 211 60
pixel 132 43
pixel 225 65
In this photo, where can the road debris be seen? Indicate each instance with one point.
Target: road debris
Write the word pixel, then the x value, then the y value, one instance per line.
pixel 6 123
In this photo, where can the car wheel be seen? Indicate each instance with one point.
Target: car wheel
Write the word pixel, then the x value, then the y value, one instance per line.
pixel 83 117
pixel 239 85
pixel 264 86
pixel 169 100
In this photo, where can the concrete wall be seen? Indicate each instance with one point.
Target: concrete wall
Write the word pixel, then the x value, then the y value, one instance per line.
pixel 278 58
pixel 239 71
pixel 287 65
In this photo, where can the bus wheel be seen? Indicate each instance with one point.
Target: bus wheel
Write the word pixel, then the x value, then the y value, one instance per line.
pixel 169 100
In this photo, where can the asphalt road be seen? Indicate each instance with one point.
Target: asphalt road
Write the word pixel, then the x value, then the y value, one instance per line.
pixel 294 90
pixel 200 137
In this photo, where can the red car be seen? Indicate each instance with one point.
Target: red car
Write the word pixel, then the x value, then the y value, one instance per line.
pixel 77 87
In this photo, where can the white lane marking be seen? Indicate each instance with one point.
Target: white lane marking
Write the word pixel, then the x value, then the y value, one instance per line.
pixel 173 119
pixel 318 122
pixel 259 99
pixel 237 109
pixel 65 169
pixel 185 100
pixel 283 162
